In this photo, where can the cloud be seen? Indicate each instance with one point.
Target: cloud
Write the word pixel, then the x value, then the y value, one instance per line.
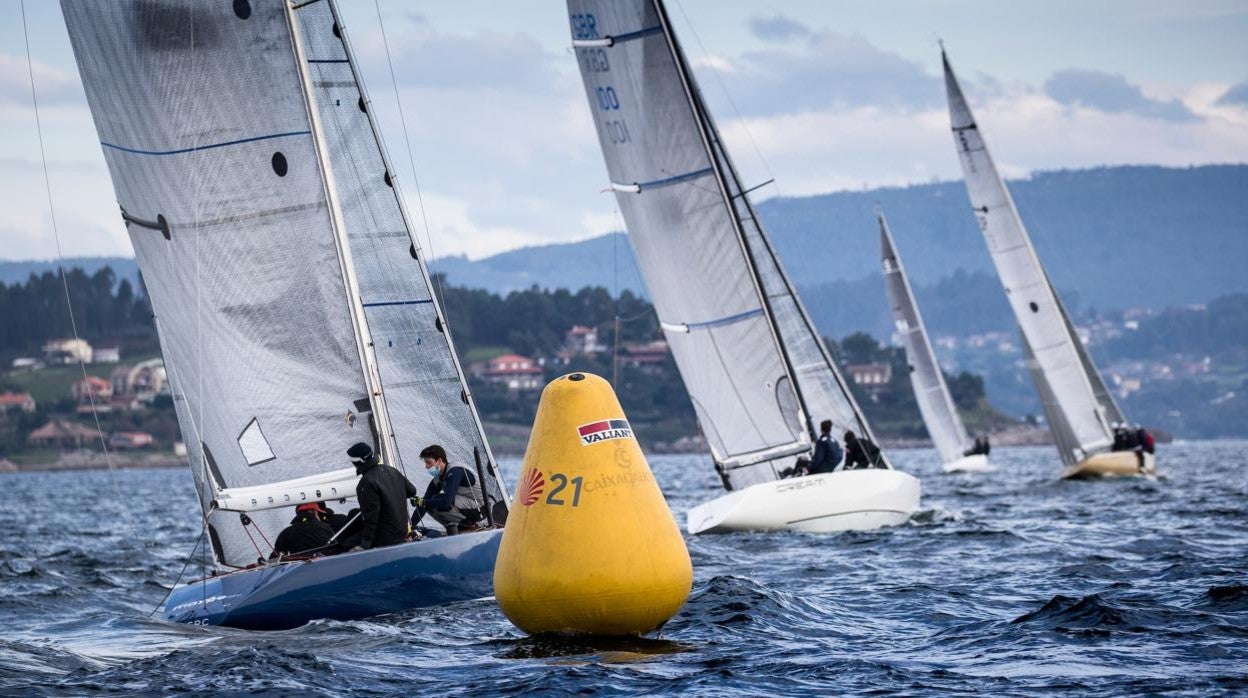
pixel 427 58
pixel 828 70
pixel 55 86
pixel 1026 129
pixel 1112 94
pixel 778 28
pixel 1235 95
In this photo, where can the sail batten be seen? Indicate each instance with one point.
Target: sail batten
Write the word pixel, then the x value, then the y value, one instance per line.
pixel 1070 379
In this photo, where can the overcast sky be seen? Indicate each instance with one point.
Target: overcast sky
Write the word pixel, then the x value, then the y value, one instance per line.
pixel 823 95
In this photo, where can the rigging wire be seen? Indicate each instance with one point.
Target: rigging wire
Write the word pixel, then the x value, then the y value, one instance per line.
pixel 189 558
pixel 407 141
pixel 728 95
pixel 60 260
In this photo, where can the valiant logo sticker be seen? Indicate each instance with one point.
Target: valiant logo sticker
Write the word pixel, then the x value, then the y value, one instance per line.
pixel 605 430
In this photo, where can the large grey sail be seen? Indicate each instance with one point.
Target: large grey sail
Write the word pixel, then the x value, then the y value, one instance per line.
pixel 682 231
pixel 425 396
pixel 207 135
pixel 930 391
pixel 1032 298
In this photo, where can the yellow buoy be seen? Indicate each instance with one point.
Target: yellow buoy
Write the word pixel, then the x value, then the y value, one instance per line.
pixel 590 545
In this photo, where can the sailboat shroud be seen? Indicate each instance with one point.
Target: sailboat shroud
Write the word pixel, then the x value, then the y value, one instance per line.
pixel 1077 403
pixel 755 368
pixel 940 414
pixel 294 312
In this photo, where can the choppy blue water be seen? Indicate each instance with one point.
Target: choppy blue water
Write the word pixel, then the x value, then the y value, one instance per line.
pixel 1009 583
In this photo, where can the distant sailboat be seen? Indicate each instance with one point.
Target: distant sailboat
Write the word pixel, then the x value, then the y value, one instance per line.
pixel 753 364
pixel 940 414
pixel 1077 404
pixel 295 314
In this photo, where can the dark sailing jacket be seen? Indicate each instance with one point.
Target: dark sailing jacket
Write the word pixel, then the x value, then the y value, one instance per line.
pixel 827 455
pixel 383 493
pixel 456 490
pixel 306 532
pixel 862 453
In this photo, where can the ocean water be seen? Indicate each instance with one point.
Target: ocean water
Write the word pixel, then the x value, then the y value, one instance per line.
pixel 1011 583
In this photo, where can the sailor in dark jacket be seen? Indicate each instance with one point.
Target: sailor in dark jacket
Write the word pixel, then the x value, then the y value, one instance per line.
pixel 827 451
pixel 860 452
pixel 453 497
pixel 382 493
pixel 308 532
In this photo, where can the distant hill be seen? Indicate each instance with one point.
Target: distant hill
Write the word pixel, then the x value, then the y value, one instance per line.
pixel 595 262
pixel 1111 237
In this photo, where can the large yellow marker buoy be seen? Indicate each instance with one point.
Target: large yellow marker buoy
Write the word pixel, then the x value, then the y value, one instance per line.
pixel 590 545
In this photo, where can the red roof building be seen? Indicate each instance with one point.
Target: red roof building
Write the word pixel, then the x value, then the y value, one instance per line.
pixel 61 433
pixel 17 401
pixel 515 371
pixel 85 389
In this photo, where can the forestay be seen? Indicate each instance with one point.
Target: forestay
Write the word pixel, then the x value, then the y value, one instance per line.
pixel 426 399
pixel 750 360
pixel 930 391
pixel 1068 374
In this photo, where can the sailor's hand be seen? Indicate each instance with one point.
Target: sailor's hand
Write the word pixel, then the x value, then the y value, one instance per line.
pixel 356 549
pixel 417 501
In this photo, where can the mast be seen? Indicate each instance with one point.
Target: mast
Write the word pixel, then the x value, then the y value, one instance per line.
pixel 705 132
pixel 364 341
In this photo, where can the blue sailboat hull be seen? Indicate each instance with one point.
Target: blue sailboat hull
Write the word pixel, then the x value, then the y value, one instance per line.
pixel 343 587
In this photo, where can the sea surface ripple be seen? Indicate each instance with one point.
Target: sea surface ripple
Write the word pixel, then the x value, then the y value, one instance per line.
pixel 1011 582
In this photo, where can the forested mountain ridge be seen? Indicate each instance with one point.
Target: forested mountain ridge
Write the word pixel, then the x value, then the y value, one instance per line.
pixel 1110 238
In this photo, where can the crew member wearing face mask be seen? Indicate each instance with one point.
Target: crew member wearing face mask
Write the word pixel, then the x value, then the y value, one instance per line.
pixel 453 498
pixel 382 493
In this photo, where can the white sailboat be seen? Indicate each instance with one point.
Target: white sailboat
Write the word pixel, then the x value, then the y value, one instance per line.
pixel 295 313
pixel 755 368
pixel 1077 404
pixel 940 414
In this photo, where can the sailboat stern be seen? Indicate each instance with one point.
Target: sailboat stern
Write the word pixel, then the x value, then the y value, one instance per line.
pixel 846 500
pixel 977 463
pixel 1113 464
pixel 349 586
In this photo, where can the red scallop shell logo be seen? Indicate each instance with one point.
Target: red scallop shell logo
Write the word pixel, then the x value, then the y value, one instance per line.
pixel 531 486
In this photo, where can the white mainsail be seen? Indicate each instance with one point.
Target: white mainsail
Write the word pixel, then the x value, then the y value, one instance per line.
pixel 1072 382
pixel 749 356
pixel 240 203
pixel 930 391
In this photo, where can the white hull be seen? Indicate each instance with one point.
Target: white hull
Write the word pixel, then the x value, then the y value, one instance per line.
pixel 846 500
pixel 969 464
